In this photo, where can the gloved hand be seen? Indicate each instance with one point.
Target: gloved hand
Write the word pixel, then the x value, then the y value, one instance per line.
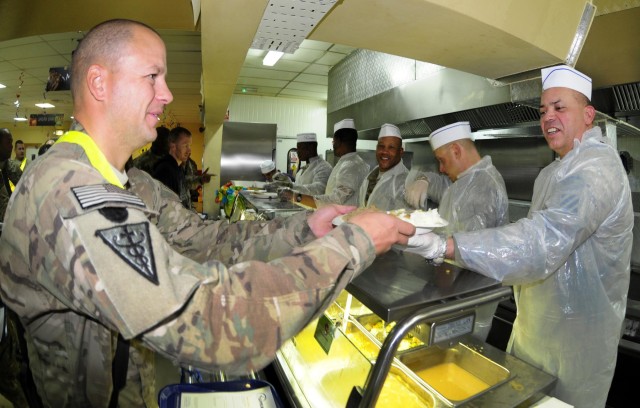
pixel 416 193
pixel 285 194
pixel 282 180
pixel 431 246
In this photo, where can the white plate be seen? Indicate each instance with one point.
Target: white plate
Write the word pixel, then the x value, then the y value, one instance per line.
pixel 265 195
pixel 419 229
pixel 427 226
pixel 258 191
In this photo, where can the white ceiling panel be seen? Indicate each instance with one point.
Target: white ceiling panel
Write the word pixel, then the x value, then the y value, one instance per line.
pixel 312 79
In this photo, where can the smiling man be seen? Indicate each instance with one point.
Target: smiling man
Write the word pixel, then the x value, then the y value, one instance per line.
pixel 384 185
pixel 105 267
pixel 569 260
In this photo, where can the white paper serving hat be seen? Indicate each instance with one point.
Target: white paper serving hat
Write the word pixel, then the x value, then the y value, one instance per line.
pixel 306 137
pixel 566 77
pixel 450 133
pixel 267 166
pixel 344 124
pixel 389 130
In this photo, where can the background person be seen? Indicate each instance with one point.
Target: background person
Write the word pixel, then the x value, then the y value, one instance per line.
pixel 159 148
pixel 168 171
pixel 99 263
pixel 347 176
pixel 569 260
pixel 312 177
pixel 10 172
pixel 384 186
pixel 21 154
pixel 274 178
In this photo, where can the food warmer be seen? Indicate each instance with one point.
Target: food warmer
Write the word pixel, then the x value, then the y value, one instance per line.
pixel 404 334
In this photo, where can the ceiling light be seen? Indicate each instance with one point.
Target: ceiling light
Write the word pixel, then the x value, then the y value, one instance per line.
pixel 271 58
pixel 19 119
pixel 2 86
pixel 45 105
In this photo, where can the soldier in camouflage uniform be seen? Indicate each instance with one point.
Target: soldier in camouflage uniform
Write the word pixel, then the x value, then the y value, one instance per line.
pixel 89 252
pixel 159 148
pixel 9 170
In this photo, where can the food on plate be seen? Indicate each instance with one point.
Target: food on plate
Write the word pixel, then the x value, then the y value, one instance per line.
pixel 429 218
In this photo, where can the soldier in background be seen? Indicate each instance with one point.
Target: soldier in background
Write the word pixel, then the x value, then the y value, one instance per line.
pixel 21 154
pixel 10 171
pixel 104 267
pixel 159 148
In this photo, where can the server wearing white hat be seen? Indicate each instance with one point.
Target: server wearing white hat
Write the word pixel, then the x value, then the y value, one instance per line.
pixel 311 178
pixel 469 190
pixel 274 178
pixel 569 259
pixel 384 185
pixel 349 172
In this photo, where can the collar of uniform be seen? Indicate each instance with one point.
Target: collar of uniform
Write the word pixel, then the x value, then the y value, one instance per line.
pixel 95 155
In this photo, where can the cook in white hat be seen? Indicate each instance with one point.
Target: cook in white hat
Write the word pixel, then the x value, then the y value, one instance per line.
pixel 564 107
pixel 344 124
pixel 306 138
pixel 564 76
pixel 389 149
pixel 450 133
pixel 267 166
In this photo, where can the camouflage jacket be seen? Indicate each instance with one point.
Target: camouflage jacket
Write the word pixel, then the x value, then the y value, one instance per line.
pixel 11 170
pixel 146 161
pixel 81 260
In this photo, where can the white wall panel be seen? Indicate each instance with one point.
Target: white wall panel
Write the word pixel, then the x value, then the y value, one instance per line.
pixel 292 116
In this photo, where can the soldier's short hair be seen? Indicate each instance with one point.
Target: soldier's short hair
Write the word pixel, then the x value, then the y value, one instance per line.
pixel 18 142
pixel 175 133
pixel 102 44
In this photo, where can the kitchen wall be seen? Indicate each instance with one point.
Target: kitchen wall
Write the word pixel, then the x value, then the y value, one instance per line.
pixel 292 116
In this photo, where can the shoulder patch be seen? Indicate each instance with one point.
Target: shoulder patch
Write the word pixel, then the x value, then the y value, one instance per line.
pixel 132 243
pixel 98 194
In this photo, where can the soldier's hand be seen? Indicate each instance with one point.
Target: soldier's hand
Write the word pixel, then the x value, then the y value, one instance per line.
pixel 383 229
pixel 321 220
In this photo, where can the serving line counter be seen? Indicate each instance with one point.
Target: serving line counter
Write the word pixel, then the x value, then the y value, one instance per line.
pixel 269 205
pixel 402 334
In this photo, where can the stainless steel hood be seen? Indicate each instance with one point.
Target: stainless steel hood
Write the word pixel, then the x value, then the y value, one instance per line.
pixel 420 98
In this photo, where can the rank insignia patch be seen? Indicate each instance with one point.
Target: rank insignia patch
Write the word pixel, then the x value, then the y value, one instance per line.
pixel 91 196
pixel 132 243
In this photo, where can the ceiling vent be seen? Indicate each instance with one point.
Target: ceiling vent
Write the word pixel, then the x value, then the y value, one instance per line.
pixel 286 23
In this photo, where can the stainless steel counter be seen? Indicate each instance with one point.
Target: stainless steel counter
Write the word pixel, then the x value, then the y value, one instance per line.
pixel 271 207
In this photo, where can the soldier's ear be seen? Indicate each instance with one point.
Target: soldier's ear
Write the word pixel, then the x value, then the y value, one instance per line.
pixel 96 81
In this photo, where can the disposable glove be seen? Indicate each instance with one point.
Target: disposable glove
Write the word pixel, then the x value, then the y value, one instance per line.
pixel 416 193
pixel 431 246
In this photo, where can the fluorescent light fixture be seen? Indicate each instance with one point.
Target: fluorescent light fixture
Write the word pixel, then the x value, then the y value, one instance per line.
pixel 19 119
pixel 45 105
pixel 2 86
pixel 271 58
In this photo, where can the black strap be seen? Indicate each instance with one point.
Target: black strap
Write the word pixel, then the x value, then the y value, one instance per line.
pixel 119 369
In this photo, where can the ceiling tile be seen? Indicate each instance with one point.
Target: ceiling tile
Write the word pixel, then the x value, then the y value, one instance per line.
pixel 313 79
pixel 317 69
pixel 265 73
pixel 304 94
pixel 301 86
pixel 330 58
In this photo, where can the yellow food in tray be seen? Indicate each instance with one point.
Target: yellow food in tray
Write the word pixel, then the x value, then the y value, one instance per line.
pixel 380 332
pixel 452 381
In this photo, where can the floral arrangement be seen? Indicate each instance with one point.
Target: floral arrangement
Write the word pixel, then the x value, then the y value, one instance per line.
pixel 226 195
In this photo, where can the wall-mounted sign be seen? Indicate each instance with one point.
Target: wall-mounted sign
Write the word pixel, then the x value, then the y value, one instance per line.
pixel 46 119
pixel 59 79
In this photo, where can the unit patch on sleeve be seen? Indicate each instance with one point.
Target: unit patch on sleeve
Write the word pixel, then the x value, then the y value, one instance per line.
pixel 132 243
pixel 98 194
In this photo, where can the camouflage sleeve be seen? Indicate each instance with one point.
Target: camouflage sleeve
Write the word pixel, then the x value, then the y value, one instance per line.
pixel 13 171
pixel 239 318
pixel 205 240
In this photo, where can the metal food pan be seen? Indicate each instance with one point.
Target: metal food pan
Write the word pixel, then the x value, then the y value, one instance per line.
pixel 456 374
